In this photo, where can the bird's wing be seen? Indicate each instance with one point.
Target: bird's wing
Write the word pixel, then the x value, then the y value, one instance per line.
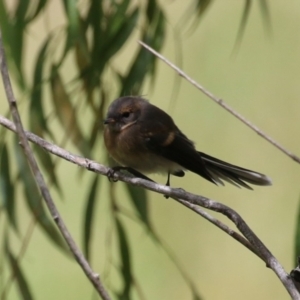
pixel 173 145
pixel 166 140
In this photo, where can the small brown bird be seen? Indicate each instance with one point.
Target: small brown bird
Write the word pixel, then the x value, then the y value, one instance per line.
pixel 142 138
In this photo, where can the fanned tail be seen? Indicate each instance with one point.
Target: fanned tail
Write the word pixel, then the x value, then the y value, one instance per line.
pixel 221 170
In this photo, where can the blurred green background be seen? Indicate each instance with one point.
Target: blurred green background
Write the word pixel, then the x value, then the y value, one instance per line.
pixel 260 80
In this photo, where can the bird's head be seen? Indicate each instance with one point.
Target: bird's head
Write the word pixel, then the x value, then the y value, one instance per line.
pixel 124 112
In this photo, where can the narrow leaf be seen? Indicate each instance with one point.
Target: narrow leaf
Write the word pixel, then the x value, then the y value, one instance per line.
pixel 47 162
pixel 34 202
pixel 126 261
pixel 39 5
pixel 7 187
pixel 139 198
pixel 89 216
pixel 24 289
pixel 66 113
pixel 116 41
pixel 38 122
pixel 243 23
pixel 297 236
pixel 264 7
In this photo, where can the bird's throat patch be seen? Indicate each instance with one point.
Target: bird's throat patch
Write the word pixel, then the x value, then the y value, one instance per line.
pixel 128 125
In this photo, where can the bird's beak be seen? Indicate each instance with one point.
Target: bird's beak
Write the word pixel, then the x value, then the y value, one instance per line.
pixel 109 121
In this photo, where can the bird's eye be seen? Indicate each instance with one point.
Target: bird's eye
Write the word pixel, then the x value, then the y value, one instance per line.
pixel 125 114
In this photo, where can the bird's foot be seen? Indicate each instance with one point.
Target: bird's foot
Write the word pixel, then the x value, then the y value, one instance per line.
pixel 111 174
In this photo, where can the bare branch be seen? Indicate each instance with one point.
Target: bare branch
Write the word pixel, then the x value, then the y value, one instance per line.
pixel 222 103
pixel 252 242
pixel 93 277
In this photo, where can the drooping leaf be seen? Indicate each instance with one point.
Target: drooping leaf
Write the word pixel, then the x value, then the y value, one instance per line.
pixel 34 201
pixel 12 30
pixel 73 18
pixel 151 10
pixel 132 82
pixel 73 27
pixel 139 198
pixel 39 5
pixel 89 216
pixel 115 19
pixel 244 20
pixel 7 189
pixel 297 236
pixel 47 162
pixel 66 113
pixel 95 19
pixel 126 268
pixel 144 63
pixel 264 7
pixel 38 121
pixel 97 126
pixel 5 24
pixel 23 286
pixel 116 40
pixel 158 38
pixel 201 6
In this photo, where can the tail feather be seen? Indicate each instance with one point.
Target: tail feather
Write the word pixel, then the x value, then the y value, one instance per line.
pixel 235 175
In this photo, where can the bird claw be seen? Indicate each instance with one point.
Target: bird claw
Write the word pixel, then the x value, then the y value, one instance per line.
pixel 111 175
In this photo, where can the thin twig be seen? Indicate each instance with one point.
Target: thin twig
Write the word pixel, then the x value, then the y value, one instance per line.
pixel 222 103
pixel 259 248
pixel 93 277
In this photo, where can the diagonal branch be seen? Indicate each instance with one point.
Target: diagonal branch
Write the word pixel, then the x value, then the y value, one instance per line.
pixel 93 277
pixel 223 104
pixel 251 241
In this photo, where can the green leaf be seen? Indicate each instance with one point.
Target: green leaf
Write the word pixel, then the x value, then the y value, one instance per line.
pixel 89 216
pixel 13 40
pixel 157 40
pixel 201 6
pixel 38 122
pixel 151 10
pixel 73 18
pixel 132 82
pixel 66 113
pixel 39 5
pixel 297 235
pixel 34 201
pixel 243 23
pixel 139 198
pixel 115 19
pixel 47 162
pixel 7 188
pixel 5 24
pixel 144 61
pixel 24 289
pixel 94 19
pixel 126 261
pixel 264 7
pixel 117 40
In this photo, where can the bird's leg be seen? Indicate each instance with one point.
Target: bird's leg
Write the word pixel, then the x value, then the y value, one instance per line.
pixel 168 180
pixel 168 184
